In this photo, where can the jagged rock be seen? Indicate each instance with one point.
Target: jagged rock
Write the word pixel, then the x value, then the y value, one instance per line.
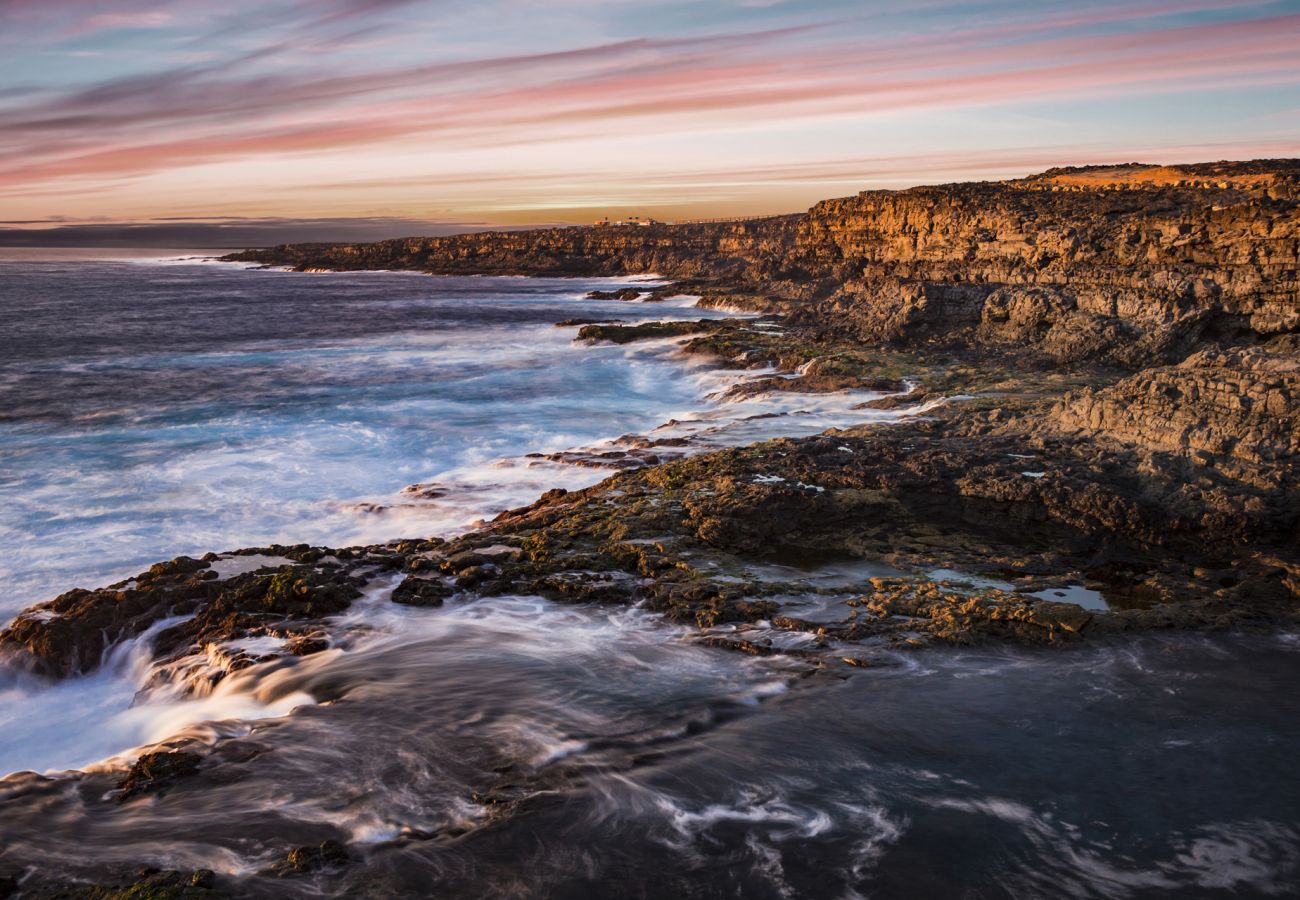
pixel 252 605
pixel 1243 404
pixel 306 644
pixel 71 633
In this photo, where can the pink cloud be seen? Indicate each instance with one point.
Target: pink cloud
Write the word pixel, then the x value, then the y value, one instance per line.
pixel 139 19
pixel 208 113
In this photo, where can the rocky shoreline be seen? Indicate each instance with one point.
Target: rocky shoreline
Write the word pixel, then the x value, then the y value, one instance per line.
pixel 1108 367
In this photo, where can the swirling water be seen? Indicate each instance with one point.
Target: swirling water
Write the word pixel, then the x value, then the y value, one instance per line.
pixel 514 748
pixel 510 746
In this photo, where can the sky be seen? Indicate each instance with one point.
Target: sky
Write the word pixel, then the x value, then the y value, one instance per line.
pixel 440 115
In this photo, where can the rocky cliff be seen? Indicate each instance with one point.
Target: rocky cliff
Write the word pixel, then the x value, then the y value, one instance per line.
pixel 1132 265
pixel 1125 272
pixel 1189 275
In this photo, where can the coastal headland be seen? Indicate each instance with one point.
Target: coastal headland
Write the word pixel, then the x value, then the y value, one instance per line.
pixel 1105 363
pixel 1118 355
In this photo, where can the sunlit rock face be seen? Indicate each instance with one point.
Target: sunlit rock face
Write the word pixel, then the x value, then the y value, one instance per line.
pixel 1131 265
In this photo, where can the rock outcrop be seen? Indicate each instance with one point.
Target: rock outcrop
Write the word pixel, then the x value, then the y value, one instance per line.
pixel 72 633
pixel 1239 406
pixel 1132 265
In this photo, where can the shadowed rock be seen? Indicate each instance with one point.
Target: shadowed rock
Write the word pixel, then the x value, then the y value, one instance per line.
pixel 153 773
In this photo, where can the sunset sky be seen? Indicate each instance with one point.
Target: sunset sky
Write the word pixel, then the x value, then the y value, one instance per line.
pixel 524 111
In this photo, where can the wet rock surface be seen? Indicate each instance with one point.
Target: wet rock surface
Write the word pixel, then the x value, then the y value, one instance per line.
pixel 324 855
pixel 956 493
pixel 72 633
pixel 154 772
pixel 146 883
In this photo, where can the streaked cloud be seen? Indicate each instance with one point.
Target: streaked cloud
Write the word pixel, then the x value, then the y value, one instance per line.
pixel 304 112
pixel 222 234
pixel 158 18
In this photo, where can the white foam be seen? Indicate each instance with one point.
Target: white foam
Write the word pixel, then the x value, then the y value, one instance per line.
pixel 73 723
pixel 230 566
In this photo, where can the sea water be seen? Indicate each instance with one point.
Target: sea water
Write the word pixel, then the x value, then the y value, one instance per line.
pixel 514 747
pixel 150 408
pixel 156 407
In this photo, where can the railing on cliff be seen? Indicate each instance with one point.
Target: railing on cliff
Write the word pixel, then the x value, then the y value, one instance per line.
pixel 725 219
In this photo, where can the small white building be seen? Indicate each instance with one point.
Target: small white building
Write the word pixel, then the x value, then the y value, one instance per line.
pixel 630 220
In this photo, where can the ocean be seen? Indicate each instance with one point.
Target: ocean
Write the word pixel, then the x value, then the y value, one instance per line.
pixel 511 746
pixel 157 407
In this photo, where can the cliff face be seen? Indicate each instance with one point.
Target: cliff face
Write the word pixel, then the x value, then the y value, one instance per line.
pixel 738 250
pixel 1127 274
pixel 1131 265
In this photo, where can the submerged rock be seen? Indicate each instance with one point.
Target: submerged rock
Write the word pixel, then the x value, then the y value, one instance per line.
pixel 147 883
pixel 300 860
pixel 620 294
pixel 623 334
pixel 154 773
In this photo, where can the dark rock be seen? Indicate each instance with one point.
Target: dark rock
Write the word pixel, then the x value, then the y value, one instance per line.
pixel 71 633
pixel 147 883
pixel 473 576
pixel 305 645
pixel 624 334
pixel 181 565
pixel 299 860
pixel 421 592
pixel 254 604
pixel 154 773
